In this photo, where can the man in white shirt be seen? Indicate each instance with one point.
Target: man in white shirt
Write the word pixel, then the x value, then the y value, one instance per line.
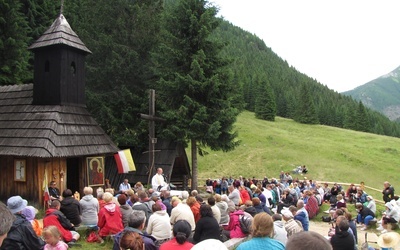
pixel 124 186
pixel 157 182
pixel 181 211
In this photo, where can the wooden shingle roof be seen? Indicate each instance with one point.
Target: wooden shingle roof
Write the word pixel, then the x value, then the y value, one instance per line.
pixel 47 130
pixel 60 33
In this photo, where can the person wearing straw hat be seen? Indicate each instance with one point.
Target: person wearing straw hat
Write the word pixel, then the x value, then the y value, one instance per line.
pixel 21 234
pixel 388 241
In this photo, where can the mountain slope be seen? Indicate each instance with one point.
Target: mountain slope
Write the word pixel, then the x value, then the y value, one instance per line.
pixel 381 94
pixel 331 154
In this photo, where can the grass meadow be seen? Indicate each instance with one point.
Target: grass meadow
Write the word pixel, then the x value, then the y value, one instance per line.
pixel 330 154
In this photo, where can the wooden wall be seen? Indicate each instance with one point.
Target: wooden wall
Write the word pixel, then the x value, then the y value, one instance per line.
pixel 31 189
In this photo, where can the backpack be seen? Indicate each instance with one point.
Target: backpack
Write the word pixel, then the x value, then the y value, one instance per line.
pixel 245 223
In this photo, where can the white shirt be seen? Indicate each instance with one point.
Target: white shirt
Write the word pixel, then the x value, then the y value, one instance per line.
pixel 124 187
pixel 158 180
pixel 159 225
pixel 182 212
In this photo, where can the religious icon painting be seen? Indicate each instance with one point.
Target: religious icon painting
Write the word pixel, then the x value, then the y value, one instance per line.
pixel 95 170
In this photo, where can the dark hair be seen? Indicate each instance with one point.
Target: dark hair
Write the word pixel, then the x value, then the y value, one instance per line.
pixel 156 207
pixel 122 199
pixel 306 240
pixel 181 231
pixel 55 204
pixel 344 225
pixel 211 201
pixel 206 211
pixel 276 217
pixel 131 240
pixel 67 193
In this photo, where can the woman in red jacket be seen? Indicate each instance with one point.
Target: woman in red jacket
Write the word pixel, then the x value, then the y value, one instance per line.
pixel 110 218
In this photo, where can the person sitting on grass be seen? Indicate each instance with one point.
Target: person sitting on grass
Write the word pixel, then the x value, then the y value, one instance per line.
pixel 30 213
pixel 131 241
pixel 308 240
pixel 110 218
pixel 391 215
pixel 286 201
pixel 365 215
pixel 371 203
pixel 52 237
pixel 54 217
pixel 136 224
pixel 342 239
pixel 301 214
pixel 280 233
pixel 207 227
pixel 21 234
pixel 262 235
pixel 312 204
pixel 90 208
pixel 181 232
pixel 292 226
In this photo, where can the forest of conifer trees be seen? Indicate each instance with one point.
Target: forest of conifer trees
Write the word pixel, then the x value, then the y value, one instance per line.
pixel 143 44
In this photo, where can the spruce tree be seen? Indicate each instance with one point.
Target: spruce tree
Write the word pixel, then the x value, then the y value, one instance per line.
pixel 14 56
pixel 265 106
pixel 195 88
pixel 306 111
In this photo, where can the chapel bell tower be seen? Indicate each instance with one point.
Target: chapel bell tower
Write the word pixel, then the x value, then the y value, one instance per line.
pixel 59 72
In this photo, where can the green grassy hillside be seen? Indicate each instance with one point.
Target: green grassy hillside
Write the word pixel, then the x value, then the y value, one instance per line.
pixel 330 153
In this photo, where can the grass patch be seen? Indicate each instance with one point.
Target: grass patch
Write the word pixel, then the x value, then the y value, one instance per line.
pixel 331 154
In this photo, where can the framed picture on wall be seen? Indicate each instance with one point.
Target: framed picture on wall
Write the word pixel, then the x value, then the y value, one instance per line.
pixel 19 170
pixel 95 170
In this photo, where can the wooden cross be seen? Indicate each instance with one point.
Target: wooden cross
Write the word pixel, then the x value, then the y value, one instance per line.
pixel 152 119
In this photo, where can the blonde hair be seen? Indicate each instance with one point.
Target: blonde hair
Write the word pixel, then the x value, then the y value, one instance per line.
pixel 87 190
pixel 217 197
pixel 263 225
pixel 110 190
pixel 52 230
pixel 107 197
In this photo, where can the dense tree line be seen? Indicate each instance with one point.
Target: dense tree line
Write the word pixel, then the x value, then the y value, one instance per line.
pixel 166 45
pixel 296 95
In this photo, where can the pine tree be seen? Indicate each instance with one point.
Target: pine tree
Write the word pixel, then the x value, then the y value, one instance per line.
pixel 306 112
pixel 362 123
pixel 265 106
pixel 14 56
pixel 195 88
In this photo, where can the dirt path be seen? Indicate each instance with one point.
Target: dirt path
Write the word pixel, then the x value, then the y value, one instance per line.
pixel 323 228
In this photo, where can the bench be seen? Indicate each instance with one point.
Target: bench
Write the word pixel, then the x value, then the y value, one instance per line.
pixel 235 242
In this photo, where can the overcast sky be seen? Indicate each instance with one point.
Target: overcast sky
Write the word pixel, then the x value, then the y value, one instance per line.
pixel 342 44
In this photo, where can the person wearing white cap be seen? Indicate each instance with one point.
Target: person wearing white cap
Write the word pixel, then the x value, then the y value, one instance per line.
pixel 392 215
pixel 388 241
pixel 292 226
pixel 21 234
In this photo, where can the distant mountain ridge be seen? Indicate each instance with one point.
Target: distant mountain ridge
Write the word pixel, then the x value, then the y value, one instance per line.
pixel 381 94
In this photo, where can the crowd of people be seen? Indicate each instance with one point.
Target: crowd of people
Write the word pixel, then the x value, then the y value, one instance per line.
pixel 274 212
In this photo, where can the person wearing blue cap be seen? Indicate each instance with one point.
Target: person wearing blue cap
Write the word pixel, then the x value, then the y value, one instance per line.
pixel 21 235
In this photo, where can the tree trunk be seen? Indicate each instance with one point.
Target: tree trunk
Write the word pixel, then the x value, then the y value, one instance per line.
pixel 194 164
